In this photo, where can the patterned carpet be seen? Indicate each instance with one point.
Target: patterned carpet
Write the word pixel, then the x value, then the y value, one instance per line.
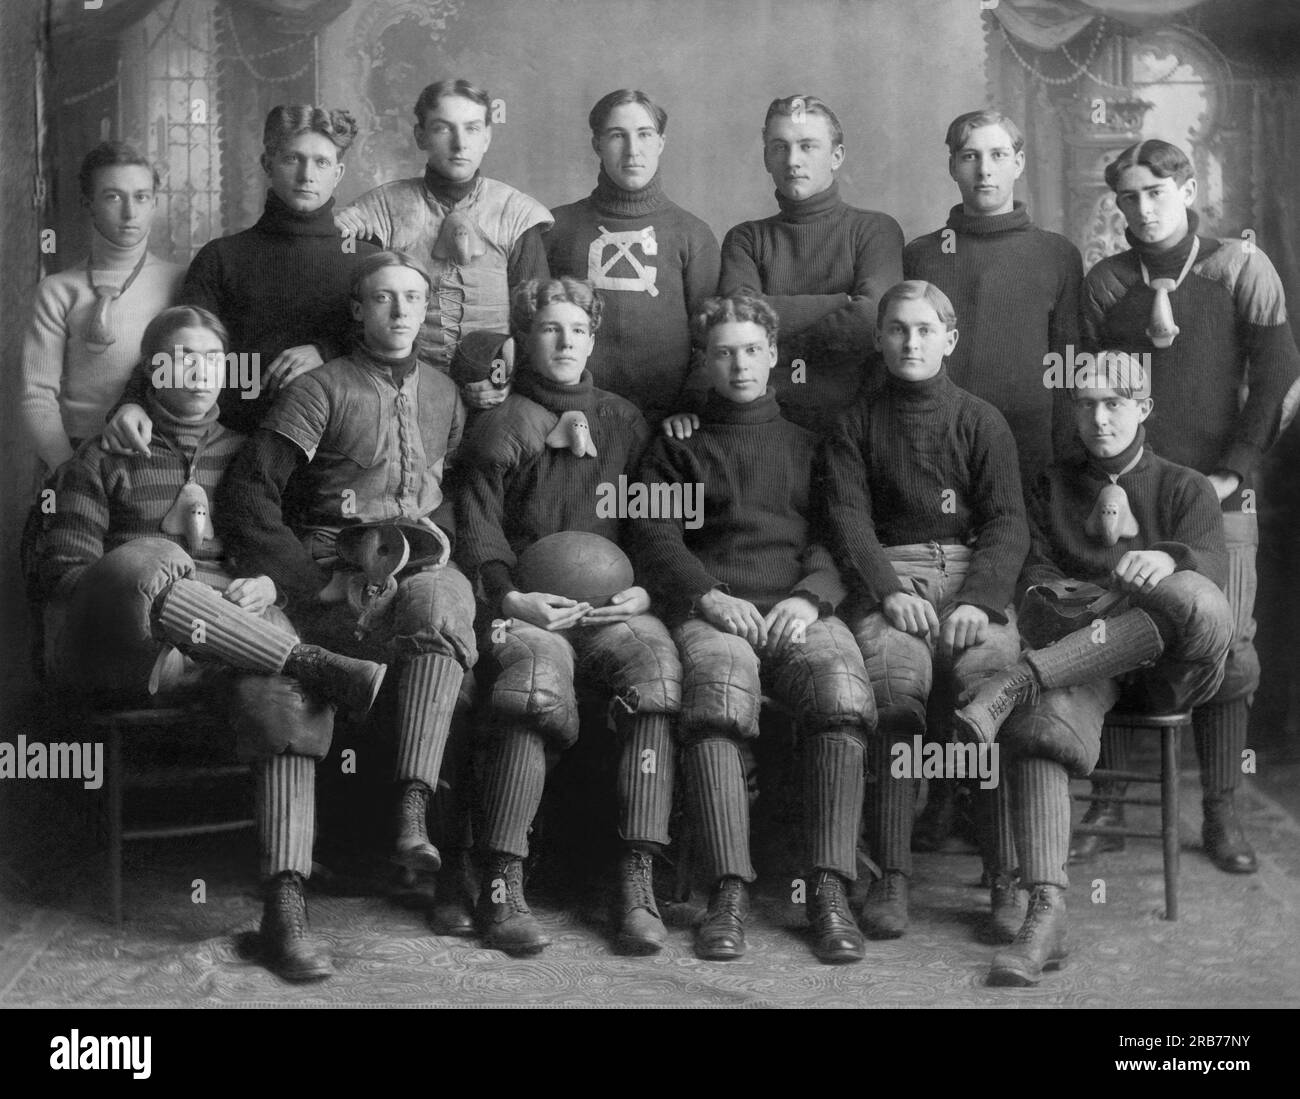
pixel 1237 944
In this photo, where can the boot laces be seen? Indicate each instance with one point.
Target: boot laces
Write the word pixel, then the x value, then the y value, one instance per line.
pixel 1019 690
pixel 830 896
pixel 638 870
pixel 1039 906
pixel 726 899
pixel 891 885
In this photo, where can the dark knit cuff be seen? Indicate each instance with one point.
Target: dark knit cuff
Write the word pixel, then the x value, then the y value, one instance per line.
pixel 497 582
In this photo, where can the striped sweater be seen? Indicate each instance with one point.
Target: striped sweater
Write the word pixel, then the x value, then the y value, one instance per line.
pixel 102 501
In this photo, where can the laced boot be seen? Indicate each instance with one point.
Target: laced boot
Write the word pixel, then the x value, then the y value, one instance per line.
pixel 452 912
pixel 721 936
pixel 835 936
pixel 353 684
pixel 1040 943
pixel 639 927
pixel 980 719
pixel 1008 903
pixel 287 946
pixel 414 851
pixel 884 914
pixel 504 918
pixel 1224 839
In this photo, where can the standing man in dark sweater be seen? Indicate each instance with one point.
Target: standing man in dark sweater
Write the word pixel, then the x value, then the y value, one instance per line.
pixel 653 262
pixel 1016 288
pixel 539 463
pixel 280 287
pixel 928 522
pixel 1212 315
pixel 1165 551
pixel 346 474
pixel 821 264
pixel 476 237
pixel 751 593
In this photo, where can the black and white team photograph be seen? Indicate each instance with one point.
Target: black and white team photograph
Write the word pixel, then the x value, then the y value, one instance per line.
pixel 619 504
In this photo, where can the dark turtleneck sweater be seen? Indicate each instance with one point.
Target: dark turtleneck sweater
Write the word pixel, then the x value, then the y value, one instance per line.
pixel 106 500
pixel 760 535
pixel 514 488
pixel 282 283
pixel 1015 288
pixel 822 265
pixel 1231 312
pixel 915 462
pixel 1176 509
pixel 651 290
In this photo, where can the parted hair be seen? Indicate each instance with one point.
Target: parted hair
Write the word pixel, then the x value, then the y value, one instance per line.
pixel 440 89
pixel 792 105
pixel 1164 161
pixel 159 333
pixel 605 107
pixel 111 154
pixel 291 119
pixel 913 290
pixel 377 261
pixel 960 128
pixel 533 296
pixel 1125 368
pixel 736 309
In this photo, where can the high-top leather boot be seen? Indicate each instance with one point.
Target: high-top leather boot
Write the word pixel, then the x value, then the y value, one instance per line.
pixel 721 935
pixel 414 851
pixel 1224 839
pixel 504 918
pixel 287 945
pixel 1008 904
pixel 835 936
pixel 884 914
pixel 1040 944
pixel 1120 644
pixel 452 912
pixel 639 928
pixel 353 684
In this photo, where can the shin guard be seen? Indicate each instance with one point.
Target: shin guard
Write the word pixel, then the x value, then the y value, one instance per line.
pixel 197 620
pixel 719 805
pixel 286 814
pixel 834 783
pixel 514 775
pixel 646 770
pixel 1040 799
pixel 1220 731
pixel 426 701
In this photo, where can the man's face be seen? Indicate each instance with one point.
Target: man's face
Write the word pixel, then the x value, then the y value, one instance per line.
pixel 798 154
pixel 629 146
pixel 194 382
pixel 123 202
pixel 1107 421
pixel 913 340
pixel 985 170
pixel 740 357
pixel 455 136
pixel 304 171
pixel 391 309
pixel 1155 208
pixel 560 342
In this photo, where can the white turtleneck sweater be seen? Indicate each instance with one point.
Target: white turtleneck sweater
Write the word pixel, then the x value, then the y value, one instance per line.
pixel 68 388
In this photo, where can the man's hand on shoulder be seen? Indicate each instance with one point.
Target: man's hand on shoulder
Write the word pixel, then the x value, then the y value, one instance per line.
pixel 349 222
pixel 130 431
pixel 681 425
pixel 291 363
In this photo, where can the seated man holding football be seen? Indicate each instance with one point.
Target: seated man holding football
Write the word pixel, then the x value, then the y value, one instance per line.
pixel 536 466
pixel 751 592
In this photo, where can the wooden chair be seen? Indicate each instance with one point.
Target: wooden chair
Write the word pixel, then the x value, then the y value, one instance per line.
pixel 1170 727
